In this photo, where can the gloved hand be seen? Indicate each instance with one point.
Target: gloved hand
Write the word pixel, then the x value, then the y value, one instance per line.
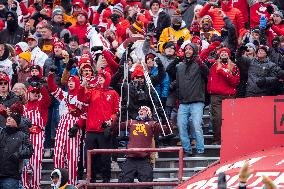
pixel 261 82
pixel 129 47
pixel 102 6
pixel 269 24
pixel 73 131
pixel 151 27
pixel 96 48
pixel 262 22
pixel 70 63
pixel 114 18
pixel 243 48
pixel 158 62
pixel 180 41
pixel 270 9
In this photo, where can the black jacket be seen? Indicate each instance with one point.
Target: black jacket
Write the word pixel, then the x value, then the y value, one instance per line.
pixel 191 80
pixel 14 147
pixel 10 99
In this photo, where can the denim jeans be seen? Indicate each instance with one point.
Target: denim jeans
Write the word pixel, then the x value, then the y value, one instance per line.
pixel 193 112
pixel 9 183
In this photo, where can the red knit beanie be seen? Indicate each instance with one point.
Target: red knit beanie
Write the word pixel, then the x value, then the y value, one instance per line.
pixel 138 71
pixel 223 49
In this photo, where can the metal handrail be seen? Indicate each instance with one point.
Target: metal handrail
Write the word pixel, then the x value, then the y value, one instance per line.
pixel 87 183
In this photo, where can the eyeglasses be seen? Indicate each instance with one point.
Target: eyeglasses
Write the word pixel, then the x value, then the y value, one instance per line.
pixel 35 92
pixel 3 83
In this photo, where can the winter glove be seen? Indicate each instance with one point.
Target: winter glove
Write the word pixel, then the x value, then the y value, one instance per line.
pixel 14 67
pixel 180 41
pixel 158 62
pixel 73 131
pixel 270 9
pixel 151 27
pixel 269 25
pixel 96 28
pixel 70 63
pixel 243 48
pixel 67 24
pixel 261 82
pixel 96 48
pixel 114 18
pixel 129 47
pixel 102 7
pixel 262 22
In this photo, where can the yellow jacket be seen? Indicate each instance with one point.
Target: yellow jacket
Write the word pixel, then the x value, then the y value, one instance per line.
pixel 72 19
pixel 169 34
pixel 63 187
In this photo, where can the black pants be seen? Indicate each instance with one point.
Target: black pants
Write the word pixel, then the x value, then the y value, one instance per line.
pixel 216 112
pixel 139 168
pixel 101 163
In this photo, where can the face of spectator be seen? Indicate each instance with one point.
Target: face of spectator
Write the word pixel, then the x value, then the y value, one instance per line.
pixel 142 113
pixel 196 13
pixel 3 86
pixel 155 7
pixel 224 55
pixel 118 13
pixel 101 80
pixel 276 19
pixel 55 179
pixel 46 33
pixel 81 19
pixel 23 63
pixel 2 50
pixel 34 95
pixel 74 45
pixel 18 90
pixel 11 122
pixel 188 51
pixel 34 72
pixel 32 43
pixel 76 9
pixel 150 62
pixel 86 72
pixel 169 51
pixel 85 50
pixel 71 84
pixel 58 18
pixel 261 54
pixel 139 79
pixel 39 28
pixel 255 36
pixel 102 60
pixel 57 50
pixel 250 52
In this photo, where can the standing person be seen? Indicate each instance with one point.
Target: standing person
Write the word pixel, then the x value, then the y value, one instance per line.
pixel 223 79
pixel 38 57
pixel 66 147
pixel 191 78
pixel 187 10
pixel 36 110
pixel 104 103
pixel 5 62
pixel 15 146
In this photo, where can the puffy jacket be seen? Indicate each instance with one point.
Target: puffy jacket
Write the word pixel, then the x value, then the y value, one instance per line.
pixel 103 103
pixel 163 87
pixel 12 38
pixel 80 31
pixel 256 71
pixel 14 147
pixel 223 82
pixel 169 34
pixel 190 80
pixel 234 14
pixel 10 99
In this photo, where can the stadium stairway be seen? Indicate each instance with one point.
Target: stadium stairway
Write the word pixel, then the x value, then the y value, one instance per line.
pixel 166 166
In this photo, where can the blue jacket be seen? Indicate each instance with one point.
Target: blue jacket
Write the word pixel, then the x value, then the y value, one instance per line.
pixel 163 87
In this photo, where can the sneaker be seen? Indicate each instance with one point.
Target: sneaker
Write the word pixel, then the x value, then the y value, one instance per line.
pixel 47 153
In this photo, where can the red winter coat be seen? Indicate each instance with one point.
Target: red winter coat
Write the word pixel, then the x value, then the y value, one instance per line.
pixel 220 82
pixel 256 11
pixel 112 65
pixel 80 31
pixel 242 5
pixel 276 30
pixel 234 14
pixel 103 105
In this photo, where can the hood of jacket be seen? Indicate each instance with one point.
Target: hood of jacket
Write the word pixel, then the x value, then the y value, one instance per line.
pixel 226 7
pixel 194 55
pixel 76 79
pixel 63 177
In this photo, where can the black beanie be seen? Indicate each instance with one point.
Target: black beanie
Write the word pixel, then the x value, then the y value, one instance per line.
pixel 168 44
pixel 265 48
pixel 16 112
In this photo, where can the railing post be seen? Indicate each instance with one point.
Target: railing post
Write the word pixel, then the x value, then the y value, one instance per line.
pixel 180 165
pixel 89 155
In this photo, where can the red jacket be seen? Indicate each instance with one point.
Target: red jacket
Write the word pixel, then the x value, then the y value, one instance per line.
pixel 80 31
pixel 242 5
pixel 256 11
pixel 103 105
pixel 220 82
pixel 112 65
pixel 234 14
pixel 276 30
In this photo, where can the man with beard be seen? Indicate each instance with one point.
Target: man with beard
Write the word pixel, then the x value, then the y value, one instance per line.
pixel 13 33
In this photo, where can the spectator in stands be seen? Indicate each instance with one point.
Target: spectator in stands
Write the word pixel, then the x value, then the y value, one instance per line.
pixel 188 10
pixel 73 46
pixel 80 27
pixel 191 77
pixel 13 33
pixel 38 56
pixel 57 21
pixel 14 153
pixel 5 63
pixel 60 179
pixel 45 42
pixel 20 91
pixel 24 67
pixel 207 32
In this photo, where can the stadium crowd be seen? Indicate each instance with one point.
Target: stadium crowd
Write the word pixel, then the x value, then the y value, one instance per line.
pixel 76 74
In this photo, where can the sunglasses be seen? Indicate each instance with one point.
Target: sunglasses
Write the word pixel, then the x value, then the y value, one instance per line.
pixel 139 77
pixel 3 83
pixel 35 92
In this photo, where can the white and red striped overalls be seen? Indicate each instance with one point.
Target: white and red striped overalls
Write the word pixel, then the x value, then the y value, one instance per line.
pixel 66 147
